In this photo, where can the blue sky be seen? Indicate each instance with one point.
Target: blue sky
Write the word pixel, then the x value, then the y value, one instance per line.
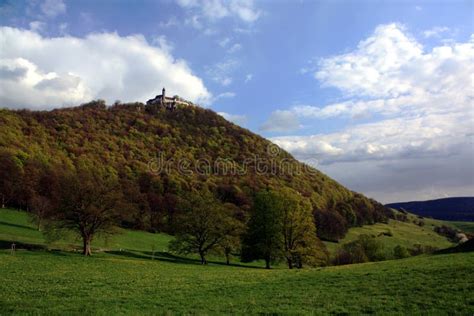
pixel 376 94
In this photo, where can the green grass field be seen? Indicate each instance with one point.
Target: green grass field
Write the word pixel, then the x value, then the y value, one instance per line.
pixel 64 283
pixel 129 281
pixel 406 234
pixel 15 226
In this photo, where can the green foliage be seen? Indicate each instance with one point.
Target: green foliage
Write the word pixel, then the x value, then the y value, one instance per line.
pixel 264 239
pixel 300 244
pixel 130 282
pixel 400 252
pixel 203 226
pixel 364 249
pixel 123 140
pixel 282 226
pixel 88 203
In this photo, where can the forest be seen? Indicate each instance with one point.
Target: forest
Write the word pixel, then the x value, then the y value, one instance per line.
pixel 93 167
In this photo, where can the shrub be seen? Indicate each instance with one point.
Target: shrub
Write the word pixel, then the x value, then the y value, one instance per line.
pixel 419 250
pixel 364 249
pixel 400 252
pixel 446 231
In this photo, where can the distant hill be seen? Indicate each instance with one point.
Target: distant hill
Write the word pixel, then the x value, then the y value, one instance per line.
pixel 450 209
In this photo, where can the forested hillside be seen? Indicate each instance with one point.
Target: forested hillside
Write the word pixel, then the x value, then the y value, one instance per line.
pixel 157 156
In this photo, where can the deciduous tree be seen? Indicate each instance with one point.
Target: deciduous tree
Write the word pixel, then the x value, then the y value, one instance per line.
pixel 203 224
pixel 88 204
pixel 263 239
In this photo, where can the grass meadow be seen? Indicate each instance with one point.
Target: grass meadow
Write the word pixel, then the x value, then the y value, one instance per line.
pixel 127 278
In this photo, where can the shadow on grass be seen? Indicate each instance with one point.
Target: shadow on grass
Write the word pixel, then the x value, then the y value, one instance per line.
pixel 7 244
pixel 17 225
pixel 168 257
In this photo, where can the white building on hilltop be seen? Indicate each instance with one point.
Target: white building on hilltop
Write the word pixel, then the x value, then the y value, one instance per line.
pixel 167 102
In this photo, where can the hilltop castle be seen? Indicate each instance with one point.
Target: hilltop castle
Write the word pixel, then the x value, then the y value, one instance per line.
pixel 167 102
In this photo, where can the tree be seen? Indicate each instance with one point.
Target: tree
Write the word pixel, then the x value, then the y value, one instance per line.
pixel 263 239
pixel 10 177
pixel 298 229
pixel 88 203
pixel 203 224
pixel 282 226
pixel 231 244
pixel 41 206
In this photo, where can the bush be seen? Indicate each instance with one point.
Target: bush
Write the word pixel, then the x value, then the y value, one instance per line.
pixel 400 252
pixel 419 250
pixel 447 232
pixel 364 249
pixel 373 248
pixel 349 254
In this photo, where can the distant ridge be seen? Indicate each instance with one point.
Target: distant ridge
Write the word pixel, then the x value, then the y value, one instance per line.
pixel 450 209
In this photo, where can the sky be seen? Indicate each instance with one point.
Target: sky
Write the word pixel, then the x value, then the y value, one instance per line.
pixel 376 94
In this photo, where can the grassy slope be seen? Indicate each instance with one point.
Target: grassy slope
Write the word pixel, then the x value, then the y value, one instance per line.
pixel 130 282
pixel 15 226
pixel 405 234
pixel 59 283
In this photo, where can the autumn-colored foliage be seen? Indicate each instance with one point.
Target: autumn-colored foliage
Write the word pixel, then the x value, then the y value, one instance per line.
pixel 144 148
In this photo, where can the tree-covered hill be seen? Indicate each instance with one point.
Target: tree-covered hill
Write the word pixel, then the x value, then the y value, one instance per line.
pixel 158 155
pixel 451 209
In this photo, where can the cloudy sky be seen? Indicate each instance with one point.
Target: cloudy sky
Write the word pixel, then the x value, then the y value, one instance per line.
pixel 378 96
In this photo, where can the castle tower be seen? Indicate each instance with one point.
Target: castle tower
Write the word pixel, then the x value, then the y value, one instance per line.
pixel 163 96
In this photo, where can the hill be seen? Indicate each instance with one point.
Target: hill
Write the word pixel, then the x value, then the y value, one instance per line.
pixel 158 155
pixel 134 274
pixel 450 209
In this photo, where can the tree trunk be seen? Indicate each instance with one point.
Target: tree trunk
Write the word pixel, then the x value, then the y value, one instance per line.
pixel 203 258
pixel 227 259
pixel 290 263
pixel 3 201
pixel 267 263
pixel 87 246
pixel 40 221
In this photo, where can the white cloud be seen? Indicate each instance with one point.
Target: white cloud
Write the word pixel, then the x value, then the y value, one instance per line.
pixel 234 48
pixel 234 118
pixel 222 71
pixel 171 22
pixel 372 69
pixel 224 42
pixel 390 74
pixel 420 104
pixel 63 28
pixel 224 95
pixel 435 31
pixel 52 8
pixel 37 26
pixel 194 21
pixel 248 77
pixel 243 10
pixel 54 72
pixel 281 121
